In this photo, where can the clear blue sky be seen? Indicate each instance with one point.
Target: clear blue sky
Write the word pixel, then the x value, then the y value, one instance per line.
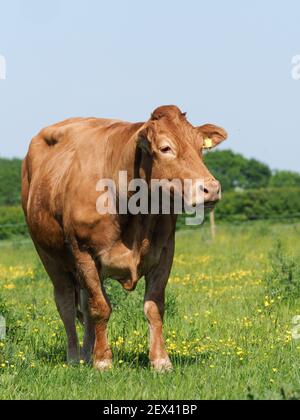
pixel 226 62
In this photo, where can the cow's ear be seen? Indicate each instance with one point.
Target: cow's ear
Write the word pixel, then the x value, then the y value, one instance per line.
pixel 144 142
pixel 212 135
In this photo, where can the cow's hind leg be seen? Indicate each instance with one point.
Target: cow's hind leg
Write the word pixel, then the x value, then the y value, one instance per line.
pixel 65 299
pixel 89 328
pixel 64 293
pixel 156 282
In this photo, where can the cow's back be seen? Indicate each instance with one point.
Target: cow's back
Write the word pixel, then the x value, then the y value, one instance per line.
pixel 53 158
pixel 61 139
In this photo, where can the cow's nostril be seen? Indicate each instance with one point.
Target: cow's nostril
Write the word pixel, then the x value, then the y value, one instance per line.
pixel 204 189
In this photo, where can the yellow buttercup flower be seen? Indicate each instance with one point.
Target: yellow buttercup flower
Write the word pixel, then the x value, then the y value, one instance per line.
pixel 9 286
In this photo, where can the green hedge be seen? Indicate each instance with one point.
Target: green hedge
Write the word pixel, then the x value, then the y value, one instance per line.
pixel 10 182
pixel 264 204
pixel 12 222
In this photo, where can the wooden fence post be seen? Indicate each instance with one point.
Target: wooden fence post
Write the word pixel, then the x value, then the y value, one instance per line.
pixel 213 224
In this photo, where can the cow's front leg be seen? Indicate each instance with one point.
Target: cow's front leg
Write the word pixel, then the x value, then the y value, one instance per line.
pixel 99 309
pixel 156 282
pixel 159 358
pixel 100 312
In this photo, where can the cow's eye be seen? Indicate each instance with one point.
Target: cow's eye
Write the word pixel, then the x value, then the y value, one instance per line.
pixel 166 149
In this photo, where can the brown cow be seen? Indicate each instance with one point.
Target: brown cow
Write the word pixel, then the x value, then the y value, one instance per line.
pixel 79 247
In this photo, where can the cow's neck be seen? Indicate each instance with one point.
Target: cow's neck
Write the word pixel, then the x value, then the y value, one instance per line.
pixel 134 235
pixel 126 160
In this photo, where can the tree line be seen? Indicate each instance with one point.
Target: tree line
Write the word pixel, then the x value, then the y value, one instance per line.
pixel 237 173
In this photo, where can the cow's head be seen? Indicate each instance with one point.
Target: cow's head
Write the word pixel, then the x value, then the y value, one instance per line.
pixel 169 148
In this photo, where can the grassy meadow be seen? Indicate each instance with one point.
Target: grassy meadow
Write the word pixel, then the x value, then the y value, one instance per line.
pixel 228 324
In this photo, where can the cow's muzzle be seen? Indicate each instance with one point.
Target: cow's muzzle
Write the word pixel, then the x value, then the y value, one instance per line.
pixel 206 194
pixel 212 192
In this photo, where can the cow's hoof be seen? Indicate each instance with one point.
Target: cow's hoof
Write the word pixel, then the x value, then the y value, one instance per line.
pixel 73 358
pixel 162 365
pixel 103 365
pixel 86 356
pixel 73 362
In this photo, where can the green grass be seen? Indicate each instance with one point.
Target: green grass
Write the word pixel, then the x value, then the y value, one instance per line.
pixel 228 338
